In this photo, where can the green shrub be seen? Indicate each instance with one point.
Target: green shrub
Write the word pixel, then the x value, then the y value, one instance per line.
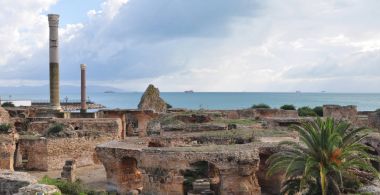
pixel 66 187
pixel 56 128
pixel 4 128
pixel 318 110
pixel 306 111
pixel 168 106
pixel 7 104
pixel 288 107
pixel 260 106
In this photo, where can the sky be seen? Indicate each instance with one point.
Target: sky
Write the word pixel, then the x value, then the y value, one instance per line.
pixel 200 45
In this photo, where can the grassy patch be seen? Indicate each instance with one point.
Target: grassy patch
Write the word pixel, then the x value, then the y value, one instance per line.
pixel 5 128
pixel 229 134
pixel 243 122
pixel 72 188
pixel 272 133
pixel 170 120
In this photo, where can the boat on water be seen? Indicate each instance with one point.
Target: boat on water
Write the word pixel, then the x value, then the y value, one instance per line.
pixel 109 92
pixel 189 91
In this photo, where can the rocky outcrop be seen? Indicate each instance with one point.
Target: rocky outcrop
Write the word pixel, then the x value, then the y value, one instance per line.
pixel 151 100
pixel 21 183
pixel 11 182
pixel 39 189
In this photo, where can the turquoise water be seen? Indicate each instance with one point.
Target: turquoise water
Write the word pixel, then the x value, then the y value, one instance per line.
pixel 222 100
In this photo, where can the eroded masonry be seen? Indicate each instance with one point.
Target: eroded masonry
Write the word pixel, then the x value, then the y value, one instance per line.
pixel 160 150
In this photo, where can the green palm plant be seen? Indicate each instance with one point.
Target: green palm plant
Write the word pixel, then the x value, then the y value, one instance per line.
pixel 327 153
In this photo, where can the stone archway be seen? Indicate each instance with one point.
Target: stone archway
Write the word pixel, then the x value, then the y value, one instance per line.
pixel 269 185
pixel 200 177
pixel 131 177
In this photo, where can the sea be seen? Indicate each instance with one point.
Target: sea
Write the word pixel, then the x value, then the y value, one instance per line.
pixel 220 100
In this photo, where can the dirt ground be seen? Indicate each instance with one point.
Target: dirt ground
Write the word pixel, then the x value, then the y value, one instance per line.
pixel 94 177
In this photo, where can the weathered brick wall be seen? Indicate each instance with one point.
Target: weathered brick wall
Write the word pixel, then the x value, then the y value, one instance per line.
pixel 81 149
pixel 7 149
pixel 259 113
pixel 349 113
pixel 111 126
pixel 374 120
pixel 34 151
pixel 4 116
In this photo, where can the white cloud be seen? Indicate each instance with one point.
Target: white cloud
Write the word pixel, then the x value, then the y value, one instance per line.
pixel 22 28
pixel 216 45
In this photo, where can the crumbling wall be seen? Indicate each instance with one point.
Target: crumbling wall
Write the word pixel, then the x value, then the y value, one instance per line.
pixel 259 113
pixel 4 116
pixel 81 149
pixel 32 154
pixel 7 149
pixel 374 120
pixel 337 112
pixel 162 168
pixel 107 125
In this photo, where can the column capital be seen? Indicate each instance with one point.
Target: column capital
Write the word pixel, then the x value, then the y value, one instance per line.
pixel 53 20
pixel 83 66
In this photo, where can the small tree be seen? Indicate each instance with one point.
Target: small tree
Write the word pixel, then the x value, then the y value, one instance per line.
pixel 4 128
pixel 7 104
pixel 306 111
pixel 327 153
pixel 318 110
pixel 168 106
pixel 255 106
pixel 288 107
pixel 55 129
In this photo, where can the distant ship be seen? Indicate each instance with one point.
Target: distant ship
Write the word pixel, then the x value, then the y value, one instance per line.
pixel 189 91
pixel 109 92
pixel 298 91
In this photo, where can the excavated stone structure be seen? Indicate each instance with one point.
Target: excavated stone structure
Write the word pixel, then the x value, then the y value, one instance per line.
pixel 152 170
pixel 4 116
pixel 134 122
pixel 68 171
pixel 341 112
pixel 76 141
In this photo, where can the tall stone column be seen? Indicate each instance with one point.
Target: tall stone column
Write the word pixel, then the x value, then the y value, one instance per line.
pixel 83 105
pixel 54 61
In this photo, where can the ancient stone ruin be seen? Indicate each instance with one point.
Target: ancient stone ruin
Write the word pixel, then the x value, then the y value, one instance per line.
pixel 68 171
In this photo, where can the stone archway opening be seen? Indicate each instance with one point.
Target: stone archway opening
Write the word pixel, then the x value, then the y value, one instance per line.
pixel 130 175
pixel 269 185
pixel 202 177
pixel 373 151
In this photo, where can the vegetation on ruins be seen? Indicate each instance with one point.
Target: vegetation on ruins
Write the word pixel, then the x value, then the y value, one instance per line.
pixel 255 106
pixel 329 159
pixel 168 106
pixel 4 128
pixel 318 110
pixel 306 111
pixel 55 129
pixel 288 107
pixel 7 104
pixel 72 188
